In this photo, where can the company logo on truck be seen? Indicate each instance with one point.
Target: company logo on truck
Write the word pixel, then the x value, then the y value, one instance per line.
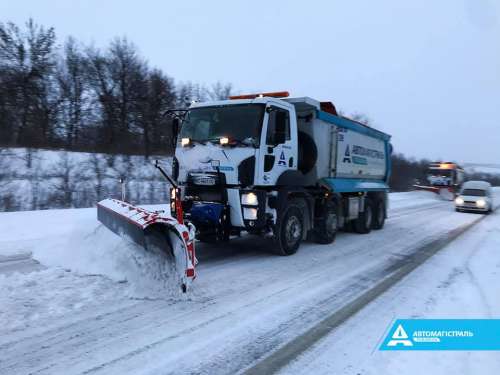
pixel 347 155
pixel 282 160
pixel 360 154
pixel 369 152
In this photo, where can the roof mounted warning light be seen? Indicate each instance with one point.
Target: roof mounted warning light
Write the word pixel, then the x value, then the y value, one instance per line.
pixel 276 94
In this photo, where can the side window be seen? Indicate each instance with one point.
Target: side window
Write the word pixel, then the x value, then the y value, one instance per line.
pixel 278 126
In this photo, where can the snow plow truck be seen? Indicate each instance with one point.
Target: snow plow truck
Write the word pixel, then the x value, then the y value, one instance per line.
pixel 443 178
pixel 286 168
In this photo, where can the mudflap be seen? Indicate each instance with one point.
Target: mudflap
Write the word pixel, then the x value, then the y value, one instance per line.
pixel 155 231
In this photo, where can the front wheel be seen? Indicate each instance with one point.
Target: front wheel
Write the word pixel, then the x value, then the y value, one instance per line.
pixel 290 230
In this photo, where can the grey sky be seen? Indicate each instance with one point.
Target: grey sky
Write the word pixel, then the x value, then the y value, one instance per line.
pixel 426 71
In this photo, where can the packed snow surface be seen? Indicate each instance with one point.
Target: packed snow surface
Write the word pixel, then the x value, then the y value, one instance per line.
pixel 461 282
pixel 98 304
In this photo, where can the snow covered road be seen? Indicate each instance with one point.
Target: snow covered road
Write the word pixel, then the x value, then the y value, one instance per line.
pixel 461 282
pixel 97 305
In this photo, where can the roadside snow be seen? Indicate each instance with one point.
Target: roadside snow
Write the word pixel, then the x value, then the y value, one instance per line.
pixel 25 298
pixel 33 179
pixel 87 264
pixel 79 251
pixel 461 281
pixel 244 304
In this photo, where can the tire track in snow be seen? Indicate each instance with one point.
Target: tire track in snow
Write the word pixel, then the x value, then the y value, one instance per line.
pixel 396 271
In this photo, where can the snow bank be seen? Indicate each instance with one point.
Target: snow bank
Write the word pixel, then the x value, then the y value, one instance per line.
pixel 33 179
pixel 87 264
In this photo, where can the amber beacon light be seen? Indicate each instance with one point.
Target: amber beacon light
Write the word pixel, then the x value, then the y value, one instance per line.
pixel 276 94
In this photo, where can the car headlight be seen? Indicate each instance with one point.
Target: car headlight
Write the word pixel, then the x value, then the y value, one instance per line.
pixel 481 203
pixel 249 213
pixel 459 201
pixel 185 142
pixel 249 199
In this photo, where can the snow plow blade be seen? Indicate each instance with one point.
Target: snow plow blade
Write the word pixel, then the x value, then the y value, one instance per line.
pixel 153 230
pixel 446 193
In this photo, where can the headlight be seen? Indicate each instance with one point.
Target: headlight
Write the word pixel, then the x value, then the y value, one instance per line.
pixel 459 201
pixel 481 203
pixel 249 199
pixel 250 213
pixel 224 141
pixel 185 142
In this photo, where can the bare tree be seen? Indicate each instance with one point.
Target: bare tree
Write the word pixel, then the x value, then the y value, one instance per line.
pixel 220 91
pixel 26 61
pixel 74 95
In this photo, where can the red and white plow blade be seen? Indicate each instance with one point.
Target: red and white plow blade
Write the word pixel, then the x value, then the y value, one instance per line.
pixel 447 193
pixel 155 231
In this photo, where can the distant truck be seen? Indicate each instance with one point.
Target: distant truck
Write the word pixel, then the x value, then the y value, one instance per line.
pixel 286 168
pixel 444 178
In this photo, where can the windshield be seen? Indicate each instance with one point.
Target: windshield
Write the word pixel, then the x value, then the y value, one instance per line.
pixel 439 176
pixel 474 192
pixel 240 123
pixel 439 172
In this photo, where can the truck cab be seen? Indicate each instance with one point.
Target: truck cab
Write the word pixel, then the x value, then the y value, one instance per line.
pixel 267 164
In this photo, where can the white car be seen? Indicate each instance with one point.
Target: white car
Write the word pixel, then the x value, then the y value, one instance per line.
pixel 475 196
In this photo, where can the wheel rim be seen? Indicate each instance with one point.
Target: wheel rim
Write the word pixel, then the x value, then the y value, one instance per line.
pixel 293 230
pixel 368 215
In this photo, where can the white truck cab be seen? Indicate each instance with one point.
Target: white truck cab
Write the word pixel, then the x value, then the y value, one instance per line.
pixel 475 196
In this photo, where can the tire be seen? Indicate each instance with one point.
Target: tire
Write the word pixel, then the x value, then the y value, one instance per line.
pixel 289 230
pixel 379 215
pixel 363 224
pixel 325 228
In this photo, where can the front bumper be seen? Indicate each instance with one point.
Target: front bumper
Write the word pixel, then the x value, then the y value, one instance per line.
pixel 472 208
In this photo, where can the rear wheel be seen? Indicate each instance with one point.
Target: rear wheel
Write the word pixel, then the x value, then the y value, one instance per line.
pixel 290 229
pixel 363 224
pixel 325 229
pixel 379 215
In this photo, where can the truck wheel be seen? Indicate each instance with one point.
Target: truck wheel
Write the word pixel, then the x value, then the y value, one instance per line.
pixel 379 218
pixel 363 224
pixel 290 230
pixel 325 230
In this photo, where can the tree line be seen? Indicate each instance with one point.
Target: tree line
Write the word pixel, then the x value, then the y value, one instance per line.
pixel 83 98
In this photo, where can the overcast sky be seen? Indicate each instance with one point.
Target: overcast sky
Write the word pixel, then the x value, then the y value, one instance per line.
pixel 425 71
